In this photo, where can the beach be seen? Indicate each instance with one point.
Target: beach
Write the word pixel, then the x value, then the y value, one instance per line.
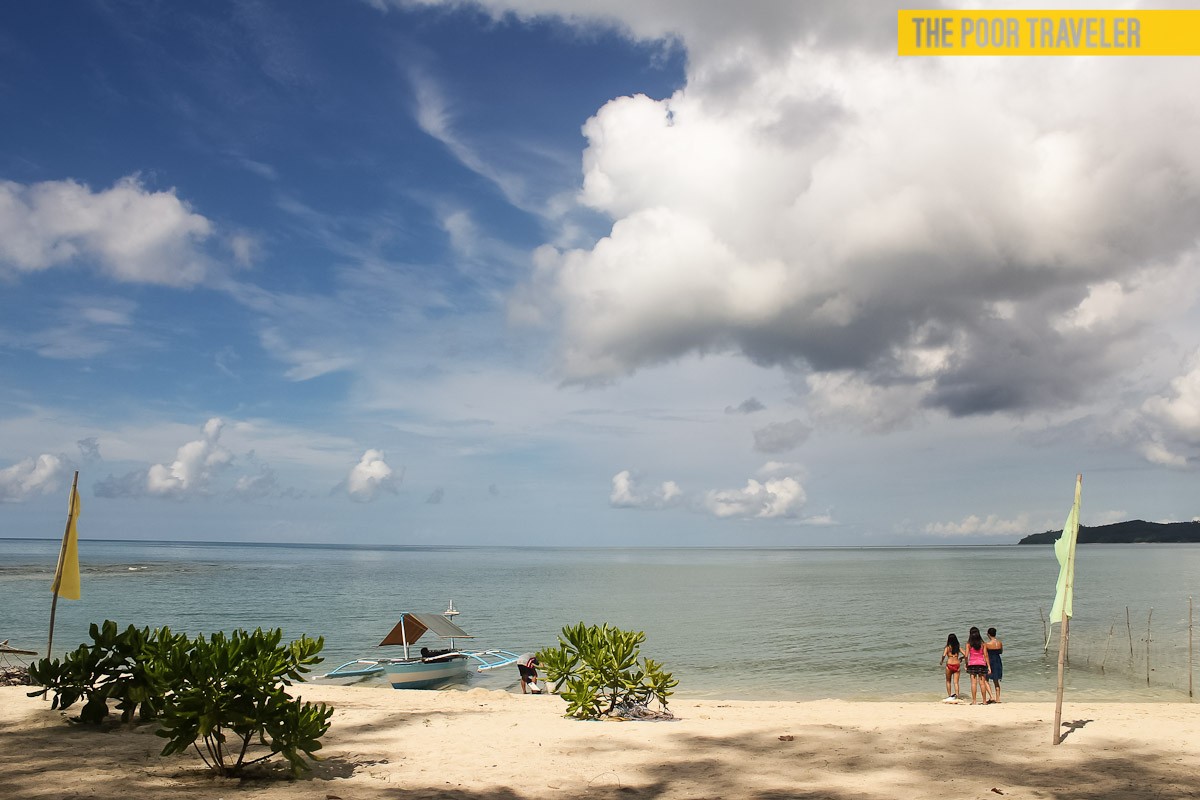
pixel 497 745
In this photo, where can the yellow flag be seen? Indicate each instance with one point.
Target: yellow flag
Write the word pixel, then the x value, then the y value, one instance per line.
pixel 1064 550
pixel 66 576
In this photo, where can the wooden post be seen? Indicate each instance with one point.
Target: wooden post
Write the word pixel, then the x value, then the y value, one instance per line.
pixel 1129 630
pixel 1148 616
pixel 1189 645
pixel 1107 645
pixel 1045 630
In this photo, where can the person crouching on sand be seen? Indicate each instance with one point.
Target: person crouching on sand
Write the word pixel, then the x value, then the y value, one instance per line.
pixel 977 665
pixel 951 657
pixel 527 665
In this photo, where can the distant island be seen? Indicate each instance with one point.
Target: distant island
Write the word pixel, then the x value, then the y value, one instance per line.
pixel 1133 532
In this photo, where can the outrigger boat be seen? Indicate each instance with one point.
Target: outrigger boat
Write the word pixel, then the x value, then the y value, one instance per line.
pixel 432 667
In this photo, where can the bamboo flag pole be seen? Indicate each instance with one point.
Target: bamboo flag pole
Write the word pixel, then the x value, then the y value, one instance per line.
pixel 1065 619
pixel 62 556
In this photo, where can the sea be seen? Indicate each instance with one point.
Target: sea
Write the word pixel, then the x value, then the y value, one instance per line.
pixel 863 623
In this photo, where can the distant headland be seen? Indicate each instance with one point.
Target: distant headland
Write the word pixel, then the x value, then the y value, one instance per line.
pixel 1135 531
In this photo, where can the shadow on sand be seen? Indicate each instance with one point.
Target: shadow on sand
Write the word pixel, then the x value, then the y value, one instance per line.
pixel 815 762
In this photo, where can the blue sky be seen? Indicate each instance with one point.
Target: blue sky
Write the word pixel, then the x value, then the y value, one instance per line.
pixel 648 273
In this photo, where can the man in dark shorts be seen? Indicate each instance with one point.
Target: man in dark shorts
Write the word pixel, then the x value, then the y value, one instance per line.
pixel 527 666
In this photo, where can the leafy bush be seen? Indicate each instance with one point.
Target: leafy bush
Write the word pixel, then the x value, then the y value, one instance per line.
pixel 601 671
pixel 118 666
pixel 230 694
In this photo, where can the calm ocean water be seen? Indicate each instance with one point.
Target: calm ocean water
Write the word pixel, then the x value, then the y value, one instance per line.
pixel 858 623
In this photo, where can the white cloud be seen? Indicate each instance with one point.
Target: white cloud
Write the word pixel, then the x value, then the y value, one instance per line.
pixel 370 477
pixel 774 469
pixel 844 398
pixel 126 232
pixel 1165 429
pixel 1178 410
pixel 194 465
pixel 775 498
pixel 31 477
pixel 626 493
pixel 994 243
pixel 975 525
pixel 191 474
pixel 1156 452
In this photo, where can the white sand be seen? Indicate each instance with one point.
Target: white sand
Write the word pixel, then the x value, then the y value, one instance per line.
pixel 498 746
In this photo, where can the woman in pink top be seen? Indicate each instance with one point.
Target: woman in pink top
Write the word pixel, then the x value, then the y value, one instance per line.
pixel 977 665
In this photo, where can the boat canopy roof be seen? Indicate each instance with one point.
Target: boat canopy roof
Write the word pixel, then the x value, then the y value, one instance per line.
pixel 413 626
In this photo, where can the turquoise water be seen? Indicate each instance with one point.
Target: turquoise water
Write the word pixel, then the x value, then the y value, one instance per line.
pixel 860 623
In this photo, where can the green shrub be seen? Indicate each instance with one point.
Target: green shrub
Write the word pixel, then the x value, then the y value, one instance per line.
pixel 118 666
pixel 230 694
pixel 600 669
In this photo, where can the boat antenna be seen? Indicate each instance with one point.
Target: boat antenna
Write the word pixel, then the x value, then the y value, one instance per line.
pixel 450 613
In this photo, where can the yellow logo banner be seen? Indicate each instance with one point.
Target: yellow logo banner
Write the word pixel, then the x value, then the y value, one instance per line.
pixel 1024 32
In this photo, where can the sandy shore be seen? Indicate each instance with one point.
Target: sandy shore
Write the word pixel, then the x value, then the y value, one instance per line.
pixel 498 746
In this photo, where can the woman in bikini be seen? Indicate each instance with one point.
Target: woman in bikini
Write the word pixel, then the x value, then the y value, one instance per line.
pixel 977 665
pixel 951 656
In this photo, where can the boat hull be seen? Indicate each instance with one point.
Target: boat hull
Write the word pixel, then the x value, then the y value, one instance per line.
pixel 424 674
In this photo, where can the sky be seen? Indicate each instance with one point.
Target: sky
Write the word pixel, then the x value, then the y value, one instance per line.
pixel 654 273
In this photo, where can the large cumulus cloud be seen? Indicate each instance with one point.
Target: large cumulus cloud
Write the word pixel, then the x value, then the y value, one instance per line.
pixel 965 235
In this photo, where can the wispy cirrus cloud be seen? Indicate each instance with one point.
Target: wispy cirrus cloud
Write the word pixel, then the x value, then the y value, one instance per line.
pixel 435 116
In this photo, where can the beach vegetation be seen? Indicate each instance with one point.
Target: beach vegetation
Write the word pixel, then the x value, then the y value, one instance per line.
pixel 230 701
pixel 599 671
pixel 121 666
pixel 224 695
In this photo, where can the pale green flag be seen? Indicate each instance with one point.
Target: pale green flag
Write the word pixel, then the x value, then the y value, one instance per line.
pixel 1064 550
